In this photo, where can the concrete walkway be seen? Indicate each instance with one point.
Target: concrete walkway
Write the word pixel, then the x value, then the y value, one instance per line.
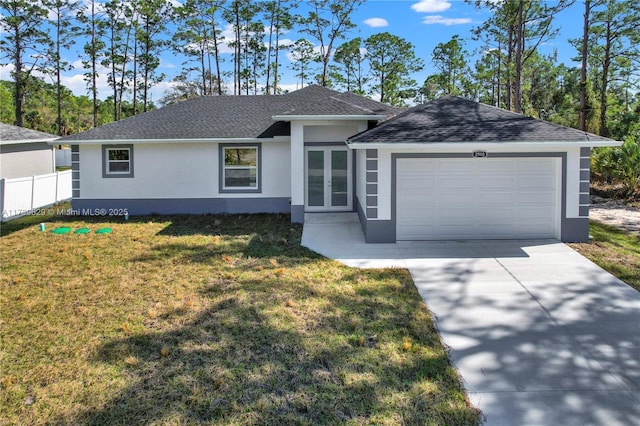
pixel 540 335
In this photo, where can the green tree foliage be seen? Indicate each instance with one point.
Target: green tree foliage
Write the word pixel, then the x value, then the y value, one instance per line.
pixel 303 55
pixel 196 36
pixel 453 77
pixel 63 21
pixel 278 14
pixel 40 107
pixel 24 44
pixel 89 18
pixel 348 72
pixel 516 29
pixel 620 164
pixel 392 61
pixel 614 35
pixel 327 22
pixel 154 15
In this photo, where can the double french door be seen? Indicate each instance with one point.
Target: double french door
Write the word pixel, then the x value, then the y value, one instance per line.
pixel 328 179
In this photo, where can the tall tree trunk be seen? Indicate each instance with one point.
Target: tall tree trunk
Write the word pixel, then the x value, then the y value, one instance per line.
pixel 583 69
pixel 94 71
pixel 605 80
pixel 210 71
pixel 147 49
pixel 238 48
pixel 58 82
pixel 114 82
pixel 246 58
pixel 517 92
pixel 124 70
pixel 277 51
pixel 499 76
pixel 509 87
pixel 203 90
pixel 135 71
pixel 19 87
pixel 216 56
pixel 271 22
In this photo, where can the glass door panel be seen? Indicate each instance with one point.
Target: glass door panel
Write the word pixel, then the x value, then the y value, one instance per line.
pixel 339 178
pixel 315 178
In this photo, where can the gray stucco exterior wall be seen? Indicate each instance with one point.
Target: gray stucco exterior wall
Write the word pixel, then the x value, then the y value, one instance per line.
pixel 297 214
pixel 139 207
pixel 376 231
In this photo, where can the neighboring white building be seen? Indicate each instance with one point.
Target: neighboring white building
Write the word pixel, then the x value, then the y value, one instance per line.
pixel 449 169
pixel 25 152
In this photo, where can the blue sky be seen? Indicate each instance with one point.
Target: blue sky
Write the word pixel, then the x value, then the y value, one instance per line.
pixel 429 22
pixel 425 23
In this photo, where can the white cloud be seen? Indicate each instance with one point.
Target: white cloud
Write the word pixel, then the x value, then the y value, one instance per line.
pixel 5 71
pixel 289 87
pixel 284 43
pixel 75 81
pixel 376 22
pixel 431 6
pixel 438 19
pixel 167 64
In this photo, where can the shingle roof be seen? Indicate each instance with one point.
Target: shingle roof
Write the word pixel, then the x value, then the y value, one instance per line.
pixel 233 116
pixel 14 134
pixel 455 119
pixel 318 100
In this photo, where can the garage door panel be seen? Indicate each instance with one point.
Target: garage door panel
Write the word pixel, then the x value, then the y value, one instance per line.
pixel 490 216
pixel 455 184
pixel 498 169
pixel 500 200
pixel 536 182
pixel 537 198
pixel 538 212
pixel 477 198
pixel 492 183
pixel 536 165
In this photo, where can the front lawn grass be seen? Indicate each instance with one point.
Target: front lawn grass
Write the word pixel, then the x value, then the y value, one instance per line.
pixel 211 319
pixel 614 250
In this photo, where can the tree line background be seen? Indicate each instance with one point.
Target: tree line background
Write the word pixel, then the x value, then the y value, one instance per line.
pixel 236 47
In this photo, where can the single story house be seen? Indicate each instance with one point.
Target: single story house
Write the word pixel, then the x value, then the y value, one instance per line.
pixel 449 169
pixel 25 152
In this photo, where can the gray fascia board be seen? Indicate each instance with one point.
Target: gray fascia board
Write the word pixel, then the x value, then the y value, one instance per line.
pixel 481 145
pixel 186 140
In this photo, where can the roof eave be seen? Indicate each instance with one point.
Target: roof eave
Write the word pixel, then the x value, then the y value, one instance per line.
pixel 175 140
pixel 19 141
pixel 328 117
pixel 482 145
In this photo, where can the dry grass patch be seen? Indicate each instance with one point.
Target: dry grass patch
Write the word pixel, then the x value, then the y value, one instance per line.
pixel 221 320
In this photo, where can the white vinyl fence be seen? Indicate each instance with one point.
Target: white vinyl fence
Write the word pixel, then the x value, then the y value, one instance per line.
pixel 23 196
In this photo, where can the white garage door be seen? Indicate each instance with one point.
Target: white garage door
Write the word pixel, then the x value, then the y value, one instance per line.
pixel 477 198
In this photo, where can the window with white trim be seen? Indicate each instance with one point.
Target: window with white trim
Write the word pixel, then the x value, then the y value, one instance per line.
pixel 240 168
pixel 117 161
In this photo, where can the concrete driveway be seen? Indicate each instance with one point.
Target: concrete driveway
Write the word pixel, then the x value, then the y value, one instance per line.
pixel 540 335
